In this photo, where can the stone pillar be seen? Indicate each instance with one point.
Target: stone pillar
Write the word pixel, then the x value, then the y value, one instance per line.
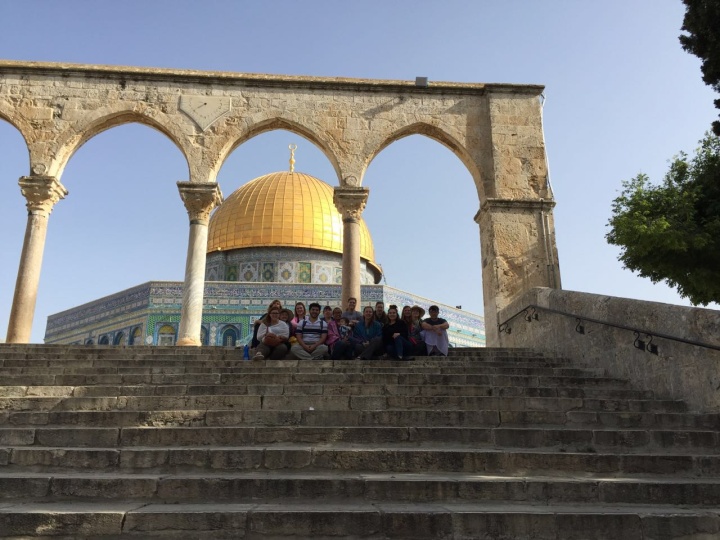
pixel 518 253
pixel 199 199
pixel 41 192
pixel 350 202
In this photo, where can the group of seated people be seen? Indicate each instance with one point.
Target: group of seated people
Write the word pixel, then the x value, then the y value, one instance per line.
pixel 349 334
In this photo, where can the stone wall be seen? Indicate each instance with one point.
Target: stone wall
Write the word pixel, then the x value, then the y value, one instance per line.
pixel 678 371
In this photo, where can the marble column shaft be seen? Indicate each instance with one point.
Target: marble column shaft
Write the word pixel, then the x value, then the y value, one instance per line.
pixel 41 192
pixel 350 202
pixel 199 199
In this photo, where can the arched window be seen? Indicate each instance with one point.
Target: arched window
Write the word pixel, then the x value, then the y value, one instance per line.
pixel 104 340
pixel 136 336
pixel 166 335
pixel 119 339
pixel 89 342
pixel 230 336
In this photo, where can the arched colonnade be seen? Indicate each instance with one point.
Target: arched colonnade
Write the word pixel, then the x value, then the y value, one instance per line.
pixel 494 129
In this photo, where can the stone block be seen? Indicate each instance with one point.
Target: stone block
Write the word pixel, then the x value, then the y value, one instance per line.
pixel 311 522
pixel 186 519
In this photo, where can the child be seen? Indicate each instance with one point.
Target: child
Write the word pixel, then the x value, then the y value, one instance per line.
pixel 344 329
pixel 343 347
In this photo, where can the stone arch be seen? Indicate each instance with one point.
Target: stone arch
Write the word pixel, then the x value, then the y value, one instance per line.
pixel 119 338
pixel 279 123
pixel 72 140
pixel 136 337
pixel 22 127
pixel 439 135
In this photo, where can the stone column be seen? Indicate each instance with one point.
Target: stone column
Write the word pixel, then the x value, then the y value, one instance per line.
pixel 199 199
pixel 350 202
pixel 41 192
pixel 518 253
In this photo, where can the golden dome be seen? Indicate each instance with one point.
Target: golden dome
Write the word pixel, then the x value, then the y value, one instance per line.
pixel 283 209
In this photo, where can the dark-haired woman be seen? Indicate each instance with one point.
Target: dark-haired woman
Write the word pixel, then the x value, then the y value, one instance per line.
pixel 395 336
pixel 367 336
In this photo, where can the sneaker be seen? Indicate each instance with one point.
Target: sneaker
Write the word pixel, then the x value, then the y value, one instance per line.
pixel 258 356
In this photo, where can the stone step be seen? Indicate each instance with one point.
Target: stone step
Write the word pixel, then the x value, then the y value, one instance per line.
pixel 227 487
pixel 312 378
pixel 339 403
pixel 142 375
pixel 318 389
pixel 566 439
pixel 347 457
pixel 394 418
pixel 323 520
pixel 237 359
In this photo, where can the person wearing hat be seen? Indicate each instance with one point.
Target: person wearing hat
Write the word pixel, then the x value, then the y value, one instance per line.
pixel 436 337
pixel 286 316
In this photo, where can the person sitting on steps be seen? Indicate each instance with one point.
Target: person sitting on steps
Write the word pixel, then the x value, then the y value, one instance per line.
pixel 272 335
pixel 367 336
pixel 311 335
pixel 380 315
pixel 350 314
pixel 436 336
pixel 395 336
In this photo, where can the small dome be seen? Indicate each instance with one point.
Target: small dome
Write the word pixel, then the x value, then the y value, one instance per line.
pixel 283 209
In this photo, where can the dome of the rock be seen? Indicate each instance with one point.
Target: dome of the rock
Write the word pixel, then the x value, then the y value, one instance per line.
pixel 284 210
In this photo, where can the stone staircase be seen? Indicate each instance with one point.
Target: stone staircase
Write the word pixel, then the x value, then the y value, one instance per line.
pixel 489 443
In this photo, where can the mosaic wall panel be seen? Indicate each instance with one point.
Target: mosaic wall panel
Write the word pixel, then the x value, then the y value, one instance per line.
pixel 212 274
pixel 231 272
pixel 322 273
pixel 287 272
pixel 287 268
pixel 127 301
pixel 304 272
pixel 337 275
pixel 250 271
pixel 267 271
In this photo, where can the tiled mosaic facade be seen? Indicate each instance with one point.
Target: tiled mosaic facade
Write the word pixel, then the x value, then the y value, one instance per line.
pixel 281 265
pixel 229 311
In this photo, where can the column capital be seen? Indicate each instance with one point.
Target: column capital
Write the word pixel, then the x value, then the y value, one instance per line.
pixel 200 199
pixel 41 192
pixel 533 205
pixel 350 202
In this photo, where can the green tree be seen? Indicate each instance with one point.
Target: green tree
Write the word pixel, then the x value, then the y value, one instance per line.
pixel 671 232
pixel 702 23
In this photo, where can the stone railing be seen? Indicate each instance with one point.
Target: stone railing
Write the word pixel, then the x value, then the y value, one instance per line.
pixel 631 342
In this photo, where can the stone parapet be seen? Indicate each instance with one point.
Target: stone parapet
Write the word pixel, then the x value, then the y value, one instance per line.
pixel 677 371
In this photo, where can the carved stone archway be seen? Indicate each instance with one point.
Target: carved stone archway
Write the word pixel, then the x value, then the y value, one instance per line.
pixel 495 130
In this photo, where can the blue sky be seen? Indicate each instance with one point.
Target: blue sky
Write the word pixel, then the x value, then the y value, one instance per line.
pixel 622 97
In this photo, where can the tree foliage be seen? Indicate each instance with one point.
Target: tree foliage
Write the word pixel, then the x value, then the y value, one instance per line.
pixel 671 232
pixel 702 23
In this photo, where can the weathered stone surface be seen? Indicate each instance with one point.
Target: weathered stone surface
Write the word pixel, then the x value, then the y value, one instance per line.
pixel 442 459
pixel 494 129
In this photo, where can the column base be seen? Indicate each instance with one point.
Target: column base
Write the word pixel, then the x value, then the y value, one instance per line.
pixel 188 342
